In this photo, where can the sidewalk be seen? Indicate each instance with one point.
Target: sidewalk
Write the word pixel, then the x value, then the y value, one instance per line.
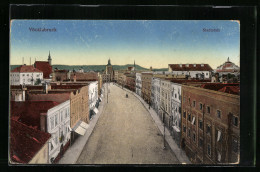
pixel 72 154
pixel 180 154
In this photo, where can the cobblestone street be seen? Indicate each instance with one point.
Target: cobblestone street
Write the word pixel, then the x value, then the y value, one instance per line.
pixel 125 134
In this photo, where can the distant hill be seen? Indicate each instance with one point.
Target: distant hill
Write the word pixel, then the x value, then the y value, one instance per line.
pixel 96 68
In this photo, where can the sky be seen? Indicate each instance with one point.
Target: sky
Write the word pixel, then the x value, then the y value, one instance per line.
pixel 155 43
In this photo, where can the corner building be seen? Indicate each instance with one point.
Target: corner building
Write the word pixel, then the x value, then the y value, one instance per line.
pixel 210 124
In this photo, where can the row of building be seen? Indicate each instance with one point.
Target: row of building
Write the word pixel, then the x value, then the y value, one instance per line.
pixel 49 110
pixel 201 113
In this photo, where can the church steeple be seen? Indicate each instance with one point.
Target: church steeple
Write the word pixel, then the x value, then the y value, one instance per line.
pixel 49 58
pixel 109 63
pixel 228 59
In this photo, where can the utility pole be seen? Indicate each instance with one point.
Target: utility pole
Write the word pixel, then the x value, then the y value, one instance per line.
pixel 107 92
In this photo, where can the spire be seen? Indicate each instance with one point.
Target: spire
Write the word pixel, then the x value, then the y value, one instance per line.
pixel 228 59
pixel 49 58
pixel 134 63
pixel 109 63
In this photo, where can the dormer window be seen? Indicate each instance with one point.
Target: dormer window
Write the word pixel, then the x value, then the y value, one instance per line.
pixel 187 65
pixel 180 65
pixel 202 65
pixel 194 65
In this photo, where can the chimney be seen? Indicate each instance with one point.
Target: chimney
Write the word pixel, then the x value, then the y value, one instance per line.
pixel 74 78
pixel 43 122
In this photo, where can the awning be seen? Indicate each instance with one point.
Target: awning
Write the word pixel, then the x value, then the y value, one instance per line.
pixel 80 130
pixel 176 129
pixel 96 110
pixel 84 125
pixel 70 129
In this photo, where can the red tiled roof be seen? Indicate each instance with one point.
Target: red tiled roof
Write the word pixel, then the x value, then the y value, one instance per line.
pixel 29 87
pixel 53 87
pixel 45 67
pixel 25 141
pixel 84 76
pixel 232 88
pixel 25 68
pixel 180 81
pixel 57 97
pixel 28 112
pixel 190 67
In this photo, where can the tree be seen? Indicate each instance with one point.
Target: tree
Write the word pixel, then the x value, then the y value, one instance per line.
pixel 38 81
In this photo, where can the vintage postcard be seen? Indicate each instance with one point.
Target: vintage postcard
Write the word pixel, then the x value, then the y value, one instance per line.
pixel 124 92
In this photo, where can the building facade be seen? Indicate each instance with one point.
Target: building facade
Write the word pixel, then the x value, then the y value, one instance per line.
pixel 176 111
pixel 138 84
pixel 109 71
pixel 26 75
pixel 200 71
pixel 165 103
pixel 146 86
pixel 92 98
pixel 155 94
pixel 130 82
pixel 210 124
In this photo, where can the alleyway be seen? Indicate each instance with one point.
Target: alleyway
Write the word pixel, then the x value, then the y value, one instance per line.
pixel 125 134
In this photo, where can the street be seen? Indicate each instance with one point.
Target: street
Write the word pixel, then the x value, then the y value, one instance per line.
pixel 125 134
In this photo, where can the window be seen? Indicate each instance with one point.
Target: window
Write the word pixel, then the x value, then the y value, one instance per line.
pixel 52 122
pixel 56 120
pixel 234 120
pixel 209 150
pixel 235 145
pixel 61 116
pixel 194 137
pixel 219 157
pixel 219 136
pixel 208 129
pixel 200 124
pixel 200 106
pixel 193 120
pixel 27 74
pixel 219 113
pixel 184 114
pixel 179 109
pixel 208 109
pixel 194 103
pixel 183 99
pixel 189 132
pixel 189 118
pixel 51 146
pixel 200 143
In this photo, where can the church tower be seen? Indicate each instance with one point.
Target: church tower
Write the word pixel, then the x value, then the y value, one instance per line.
pixel 49 58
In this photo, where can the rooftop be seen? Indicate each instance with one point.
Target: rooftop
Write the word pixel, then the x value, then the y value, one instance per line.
pixel 53 96
pixel 26 69
pixel 25 141
pixel 45 67
pixel 190 67
pixel 232 88
pixel 28 112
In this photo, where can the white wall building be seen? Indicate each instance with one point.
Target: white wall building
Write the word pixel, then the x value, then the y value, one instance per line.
pixel 138 84
pixel 58 125
pixel 156 94
pixel 93 97
pixel 176 111
pixel 25 75
pixel 200 71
